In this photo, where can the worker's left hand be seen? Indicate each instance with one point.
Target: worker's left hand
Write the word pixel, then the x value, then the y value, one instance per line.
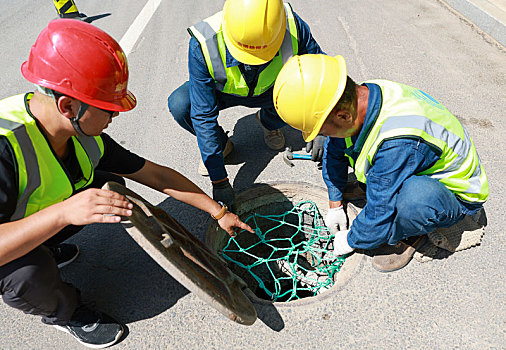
pixel 341 245
pixel 316 148
pixel 229 222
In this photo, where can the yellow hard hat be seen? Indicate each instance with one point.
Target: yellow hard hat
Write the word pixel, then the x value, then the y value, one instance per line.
pixel 307 89
pixel 254 29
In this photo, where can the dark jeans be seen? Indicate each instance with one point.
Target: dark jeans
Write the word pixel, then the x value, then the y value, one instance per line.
pixel 179 107
pixel 32 283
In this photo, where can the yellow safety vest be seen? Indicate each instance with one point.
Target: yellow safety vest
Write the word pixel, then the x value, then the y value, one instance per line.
pixel 42 179
pixel 229 80
pixel 410 112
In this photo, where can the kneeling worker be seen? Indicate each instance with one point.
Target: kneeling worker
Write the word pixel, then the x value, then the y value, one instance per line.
pixel 421 167
pixel 234 58
pixel 53 153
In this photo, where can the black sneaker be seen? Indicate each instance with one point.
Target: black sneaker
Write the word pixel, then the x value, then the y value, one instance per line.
pixel 93 329
pixel 64 253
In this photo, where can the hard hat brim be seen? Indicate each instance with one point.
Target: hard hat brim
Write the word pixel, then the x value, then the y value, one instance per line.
pixel 124 104
pixel 341 76
pixel 255 56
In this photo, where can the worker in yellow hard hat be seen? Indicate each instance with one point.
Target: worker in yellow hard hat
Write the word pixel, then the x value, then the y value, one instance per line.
pixel 421 167
pixel 234 58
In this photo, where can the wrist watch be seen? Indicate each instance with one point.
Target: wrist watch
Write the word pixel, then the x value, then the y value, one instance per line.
pixel 222 212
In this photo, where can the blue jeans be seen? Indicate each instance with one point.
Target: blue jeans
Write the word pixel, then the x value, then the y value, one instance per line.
pixel 425 204
pixel 179 106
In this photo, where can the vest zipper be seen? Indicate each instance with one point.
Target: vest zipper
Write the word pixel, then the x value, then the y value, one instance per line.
pixel 253 84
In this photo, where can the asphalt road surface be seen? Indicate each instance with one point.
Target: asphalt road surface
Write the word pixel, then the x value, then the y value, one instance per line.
pixel 457 302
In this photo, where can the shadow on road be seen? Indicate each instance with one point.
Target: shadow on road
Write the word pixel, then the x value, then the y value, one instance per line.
pixel 90 19
pixel 270 316
pixel 251 151
pixel 116 274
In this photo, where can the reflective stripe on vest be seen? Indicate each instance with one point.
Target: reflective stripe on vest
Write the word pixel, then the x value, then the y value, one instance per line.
pixel 30 180
pixel 229 79
pixel 409 112
pixel 42 179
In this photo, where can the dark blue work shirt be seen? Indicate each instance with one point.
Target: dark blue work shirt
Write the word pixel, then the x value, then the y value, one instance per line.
pixel 203 97
pixel 395 161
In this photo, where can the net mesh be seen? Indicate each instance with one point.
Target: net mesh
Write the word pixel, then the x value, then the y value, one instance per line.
pixel 290 256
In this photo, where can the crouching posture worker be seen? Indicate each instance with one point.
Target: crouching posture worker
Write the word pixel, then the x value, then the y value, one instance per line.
pixel 53 154
pixel 233 59
pixel 421 167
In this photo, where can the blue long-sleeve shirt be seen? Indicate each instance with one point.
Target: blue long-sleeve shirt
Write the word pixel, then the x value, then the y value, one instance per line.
pixel 395 161
pixel 203 97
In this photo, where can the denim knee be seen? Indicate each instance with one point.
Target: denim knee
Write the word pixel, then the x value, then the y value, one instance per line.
pixel 421 191
pixel 179 106
pixel 424 204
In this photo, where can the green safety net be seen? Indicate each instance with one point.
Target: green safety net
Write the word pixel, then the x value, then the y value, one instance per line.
pixel 290 257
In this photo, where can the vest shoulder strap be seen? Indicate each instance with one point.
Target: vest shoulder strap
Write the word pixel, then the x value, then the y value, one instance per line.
pixel 93 147
pixel 206 33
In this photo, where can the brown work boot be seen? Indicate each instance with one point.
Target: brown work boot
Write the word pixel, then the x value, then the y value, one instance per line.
pixel 274 139
pixel 229 147
pixel 388 258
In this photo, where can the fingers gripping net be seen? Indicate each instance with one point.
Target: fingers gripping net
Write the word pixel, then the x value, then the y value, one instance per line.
pixel 292 259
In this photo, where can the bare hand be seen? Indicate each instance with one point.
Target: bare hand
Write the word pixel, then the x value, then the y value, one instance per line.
pixel 95 206
pixel 229 221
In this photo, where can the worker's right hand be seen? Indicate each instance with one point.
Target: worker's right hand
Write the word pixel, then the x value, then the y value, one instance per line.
pixel 223 192
pixel 336 219
pixel 95 206
pixel 230 222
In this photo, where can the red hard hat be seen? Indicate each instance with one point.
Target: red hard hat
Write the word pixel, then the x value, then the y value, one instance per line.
pixel 80 60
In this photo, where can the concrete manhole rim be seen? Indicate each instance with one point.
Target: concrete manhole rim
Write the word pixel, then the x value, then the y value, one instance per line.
pixel 352 266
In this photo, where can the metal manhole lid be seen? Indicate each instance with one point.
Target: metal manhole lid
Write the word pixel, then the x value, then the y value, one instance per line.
pixel 186 258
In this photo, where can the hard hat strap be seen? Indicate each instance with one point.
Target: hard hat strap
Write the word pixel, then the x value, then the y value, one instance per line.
pixel 82 108
pixel 75 121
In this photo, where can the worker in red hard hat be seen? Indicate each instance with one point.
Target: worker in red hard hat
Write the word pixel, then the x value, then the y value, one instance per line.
pixel 54 159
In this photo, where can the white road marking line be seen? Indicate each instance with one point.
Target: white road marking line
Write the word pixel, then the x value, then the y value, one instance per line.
pixel 128 40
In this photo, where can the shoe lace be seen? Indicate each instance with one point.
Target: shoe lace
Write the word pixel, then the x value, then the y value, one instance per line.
pixel 274 133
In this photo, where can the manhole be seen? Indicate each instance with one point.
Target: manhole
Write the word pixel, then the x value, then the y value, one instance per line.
pixel 271 200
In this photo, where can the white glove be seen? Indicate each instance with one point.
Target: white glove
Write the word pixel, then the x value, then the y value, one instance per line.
pixel 341 245
pixel 336 219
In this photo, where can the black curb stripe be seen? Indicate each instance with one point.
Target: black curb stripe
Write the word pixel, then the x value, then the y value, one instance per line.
pixel 66 7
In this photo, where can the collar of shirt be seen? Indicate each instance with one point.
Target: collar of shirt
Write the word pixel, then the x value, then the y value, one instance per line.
pixel 230 61
pixel 373 108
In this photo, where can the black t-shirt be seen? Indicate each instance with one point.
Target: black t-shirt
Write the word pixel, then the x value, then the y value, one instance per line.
pixel 116 159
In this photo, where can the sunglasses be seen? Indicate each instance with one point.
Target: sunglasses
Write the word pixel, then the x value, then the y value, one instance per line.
pixel 111 113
